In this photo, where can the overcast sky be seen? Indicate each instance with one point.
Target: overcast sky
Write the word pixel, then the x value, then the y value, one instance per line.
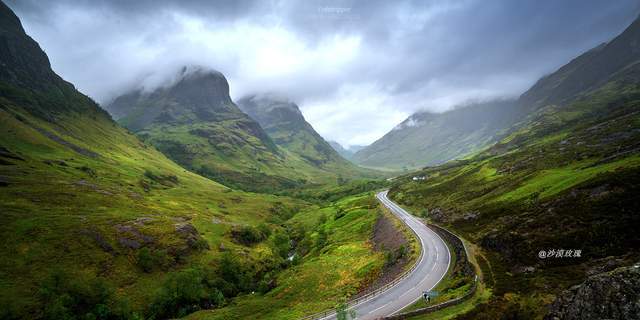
pixel 356 68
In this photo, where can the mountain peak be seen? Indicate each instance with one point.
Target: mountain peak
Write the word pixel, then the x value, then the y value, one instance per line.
pixel 22 61
pixel 196 72
pixel 195 93
pixel 267 102
pixel 588 71
pixel 200 86
pixel 25 70
pixel 282 120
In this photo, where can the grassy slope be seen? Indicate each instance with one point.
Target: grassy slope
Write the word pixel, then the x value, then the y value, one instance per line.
pixel 429 139
pixel 235 163
pixel 110 193
pixel 210 135
pixel 82 200
pixel 325 274
pixel 566 180
pixel 55 195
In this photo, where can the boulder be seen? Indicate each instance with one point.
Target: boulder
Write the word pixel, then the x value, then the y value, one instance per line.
pixel 608 295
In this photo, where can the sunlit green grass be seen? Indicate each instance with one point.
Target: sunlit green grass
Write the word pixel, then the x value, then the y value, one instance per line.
pixel 322 278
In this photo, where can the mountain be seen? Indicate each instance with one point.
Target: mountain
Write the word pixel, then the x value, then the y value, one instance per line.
pixel 553 204
pixel 427 138
pixel 285 124
pixel 346 153
pixel 287 127
pixel 591 70
pixel 97 224
pixel 195 123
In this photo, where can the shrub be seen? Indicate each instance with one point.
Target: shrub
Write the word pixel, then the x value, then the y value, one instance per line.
pixel 321 239
pixel 392 257
pixel 75 297
pixel 304 246
pixel 184 292
pixel 281 244
pixel 149 260
pixel 247 235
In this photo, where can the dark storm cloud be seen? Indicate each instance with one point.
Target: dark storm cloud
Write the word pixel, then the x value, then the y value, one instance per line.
pixel 356 67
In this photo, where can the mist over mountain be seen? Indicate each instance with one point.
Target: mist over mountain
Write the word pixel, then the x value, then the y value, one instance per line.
pixel 192 206
pixel 93 201
pixel 196 94
pixel 565 174
pixel 346 153
pixel 427 138
pixel 195 122
pixel 615 59
pixel 285 124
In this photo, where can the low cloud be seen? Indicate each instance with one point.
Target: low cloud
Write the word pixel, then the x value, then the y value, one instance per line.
pixel 356 68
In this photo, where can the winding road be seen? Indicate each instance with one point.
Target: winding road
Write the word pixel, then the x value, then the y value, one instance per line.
pixel 431 268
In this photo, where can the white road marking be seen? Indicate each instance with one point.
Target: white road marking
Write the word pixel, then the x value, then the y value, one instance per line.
pixel 424 234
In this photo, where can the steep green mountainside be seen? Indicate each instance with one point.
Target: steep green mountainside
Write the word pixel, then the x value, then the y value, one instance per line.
pixel 97 224
pixel 195 123
pixel 287 127
pixel 427 138
pixel 587 72
pixel 566 179
pixel 285 124
pixel 430 139
pixel 346 153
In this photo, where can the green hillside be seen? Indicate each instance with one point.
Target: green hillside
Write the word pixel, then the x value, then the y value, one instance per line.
pixel 287 127
pixel 338 263
pixel 430 138
pixel 566 179
pixel 99 225
pixel 195 123
pixel 190 206
pixel 427 138
pixel 285 124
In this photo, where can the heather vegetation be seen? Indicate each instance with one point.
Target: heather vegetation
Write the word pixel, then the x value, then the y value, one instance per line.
pixel 190 206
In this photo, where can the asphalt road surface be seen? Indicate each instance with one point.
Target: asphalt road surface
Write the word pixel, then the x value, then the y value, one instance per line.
pixel 430 270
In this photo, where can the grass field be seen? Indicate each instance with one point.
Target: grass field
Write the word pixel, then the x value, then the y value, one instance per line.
pixel 327 274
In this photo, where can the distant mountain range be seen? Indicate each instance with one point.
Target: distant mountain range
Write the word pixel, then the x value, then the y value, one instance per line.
pixel 566 175
pixel 426 139
pixel 84 202
pixel 346 153
pixel 287 127
pixel 98 223
pixel 266 148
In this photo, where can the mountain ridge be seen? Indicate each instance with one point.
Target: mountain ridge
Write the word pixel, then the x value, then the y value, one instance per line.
pixel 97 223
pixel 284 122
pixel 615 59
pixel 427 138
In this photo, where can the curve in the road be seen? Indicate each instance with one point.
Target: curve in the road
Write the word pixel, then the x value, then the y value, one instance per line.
pixel 430 270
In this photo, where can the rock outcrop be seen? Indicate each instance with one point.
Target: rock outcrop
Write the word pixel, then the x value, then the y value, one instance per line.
pixel 609 295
